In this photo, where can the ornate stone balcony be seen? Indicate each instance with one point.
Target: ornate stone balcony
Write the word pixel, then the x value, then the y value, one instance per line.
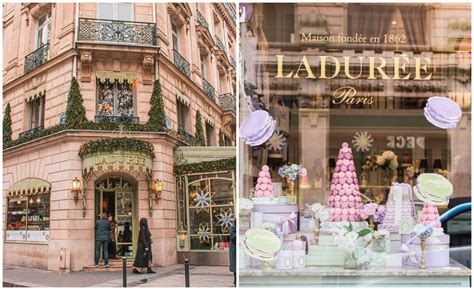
pixel 181 63
pixel 36 58
pixel 201 20
pixel 227 102
pixel 117 32
pixel 208 89
pixel 116 119
pixel 229 10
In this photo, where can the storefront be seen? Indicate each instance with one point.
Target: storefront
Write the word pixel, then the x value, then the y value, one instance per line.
pixel 349 83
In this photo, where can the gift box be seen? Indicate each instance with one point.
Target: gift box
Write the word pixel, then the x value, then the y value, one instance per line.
pixel 299 259
pixel 284 260
pixel 436 253
pixel 399 207
pixel 325 256
pixel 284 216
pixel 307 224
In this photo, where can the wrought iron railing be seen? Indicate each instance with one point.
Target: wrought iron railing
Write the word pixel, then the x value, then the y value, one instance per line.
pixel 116 119
pixel 36 58
pixel 219 43
pixel 232 62
pixel 31 131
pixel 115 31
pixel 186 136
pixel 208 89
pixel 181 63
pixel 229 10
pixel 227 102
pixel 201 20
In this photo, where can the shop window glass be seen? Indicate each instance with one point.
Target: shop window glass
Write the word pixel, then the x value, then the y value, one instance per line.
pixel 28 218
pixel 115 98
pixel 210 211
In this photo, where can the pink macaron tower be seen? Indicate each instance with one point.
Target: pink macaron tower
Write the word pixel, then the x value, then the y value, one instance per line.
pixel 430 214
pixel 264 187
pixel 344 199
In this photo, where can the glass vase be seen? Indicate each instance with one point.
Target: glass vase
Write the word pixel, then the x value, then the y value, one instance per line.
pixel 350 260
pixel 378 245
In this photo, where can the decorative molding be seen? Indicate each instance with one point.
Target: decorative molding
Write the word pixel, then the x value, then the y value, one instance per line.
pixel 180 14
pixel 86 63
pixel 147 76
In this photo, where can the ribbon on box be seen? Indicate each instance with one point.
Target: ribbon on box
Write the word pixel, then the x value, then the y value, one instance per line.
pixel 399 189
pixel 280 221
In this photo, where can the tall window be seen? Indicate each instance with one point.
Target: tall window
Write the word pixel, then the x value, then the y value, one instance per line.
pixel 175 36
pixel 203 65
pixel 36 112
pixel 115 98
pixel 209 134
pixel 115 11
pixel 43 29
pixel 183 114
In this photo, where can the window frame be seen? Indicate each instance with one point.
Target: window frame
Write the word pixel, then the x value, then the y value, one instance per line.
pixel 46 26
pixel 182 112
pixel 37 105
pixel 115 11
pixel 115 90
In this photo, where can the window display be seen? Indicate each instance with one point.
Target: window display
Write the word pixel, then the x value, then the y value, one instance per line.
pixel 28 218
pixel 355 128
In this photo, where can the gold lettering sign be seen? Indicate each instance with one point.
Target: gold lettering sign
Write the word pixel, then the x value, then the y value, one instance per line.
pixel 118 162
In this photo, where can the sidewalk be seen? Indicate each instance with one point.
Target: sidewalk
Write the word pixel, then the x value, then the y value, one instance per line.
pixel 200 276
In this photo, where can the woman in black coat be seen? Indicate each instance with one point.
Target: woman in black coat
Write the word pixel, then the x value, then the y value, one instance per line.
pixel 144 257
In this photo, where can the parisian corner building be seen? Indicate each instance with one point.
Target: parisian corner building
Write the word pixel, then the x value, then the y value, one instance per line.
pixel 123 109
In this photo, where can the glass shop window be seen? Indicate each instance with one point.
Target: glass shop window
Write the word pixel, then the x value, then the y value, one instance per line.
pixel 28 218
pixel 115 11
pixel 211 212
pixel 36 112
pixel 43 29
pixel 115 98
pixel 183 116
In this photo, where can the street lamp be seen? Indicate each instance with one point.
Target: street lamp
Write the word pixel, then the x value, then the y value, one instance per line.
pixel 157 188
pixel 76 189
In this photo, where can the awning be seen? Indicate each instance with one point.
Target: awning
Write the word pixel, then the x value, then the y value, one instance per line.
pixel 35 93
pixel 29 186
pixel 120 76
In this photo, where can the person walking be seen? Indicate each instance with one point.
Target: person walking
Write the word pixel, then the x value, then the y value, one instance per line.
pixel 102 232
pixel 112 240
pixel 233 253
pixel 144 256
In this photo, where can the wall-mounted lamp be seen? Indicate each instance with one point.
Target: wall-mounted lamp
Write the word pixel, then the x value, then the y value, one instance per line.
pixel 76 189
pixel 157 188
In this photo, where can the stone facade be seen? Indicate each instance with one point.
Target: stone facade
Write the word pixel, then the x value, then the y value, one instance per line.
pixel 55 159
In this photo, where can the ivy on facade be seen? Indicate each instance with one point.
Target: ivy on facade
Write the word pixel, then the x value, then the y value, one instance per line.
pixel 206 166
pixel 7 127
pixel 200 138
pixel 156 115
pixel 117 144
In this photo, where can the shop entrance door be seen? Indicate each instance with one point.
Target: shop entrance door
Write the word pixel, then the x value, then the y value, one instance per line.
pixel 117 196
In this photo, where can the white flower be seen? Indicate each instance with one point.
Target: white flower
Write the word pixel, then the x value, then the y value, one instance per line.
pixel 384 233
pixel 362 141
pixel 376 235
pixel 316 207
pixel 323 215
pixel 352 236
pixel 380 160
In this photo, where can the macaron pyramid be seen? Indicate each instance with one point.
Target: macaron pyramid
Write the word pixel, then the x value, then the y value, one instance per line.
pixel 264 187
pixel 430 214
pixel 344 199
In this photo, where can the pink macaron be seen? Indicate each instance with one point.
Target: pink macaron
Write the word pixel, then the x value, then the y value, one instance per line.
pixel 265 168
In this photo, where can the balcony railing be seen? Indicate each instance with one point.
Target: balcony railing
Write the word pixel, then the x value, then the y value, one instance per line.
pixel 186 137
pixel 219 43
pixel 181 63
pixel 201 20
pixel 36 58
pixel 31 131
pixel 114 31
pixel 208 89
pixel 116 119
pixel 227 102
pixel 229 10
pixel 232 62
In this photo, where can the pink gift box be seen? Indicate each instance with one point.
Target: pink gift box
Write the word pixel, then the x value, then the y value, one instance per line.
pixel 436 254
pixel 280 212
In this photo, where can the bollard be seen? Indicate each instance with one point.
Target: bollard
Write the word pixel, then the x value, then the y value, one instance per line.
pixel 124 266
pixel 186 273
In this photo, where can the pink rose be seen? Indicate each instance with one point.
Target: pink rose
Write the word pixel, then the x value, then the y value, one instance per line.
pixel 381 209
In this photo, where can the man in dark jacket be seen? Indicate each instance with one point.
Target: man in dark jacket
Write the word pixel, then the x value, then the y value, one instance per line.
pixel 233 252
pixel 102 236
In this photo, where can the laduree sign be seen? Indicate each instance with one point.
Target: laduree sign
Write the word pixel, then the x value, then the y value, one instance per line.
pixel 118 161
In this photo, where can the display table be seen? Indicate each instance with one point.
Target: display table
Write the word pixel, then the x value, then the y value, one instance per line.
pixel 456 275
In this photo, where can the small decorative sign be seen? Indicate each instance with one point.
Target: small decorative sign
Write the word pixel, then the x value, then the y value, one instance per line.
pixel 118 161
pixel 406 226
pixel 408 142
